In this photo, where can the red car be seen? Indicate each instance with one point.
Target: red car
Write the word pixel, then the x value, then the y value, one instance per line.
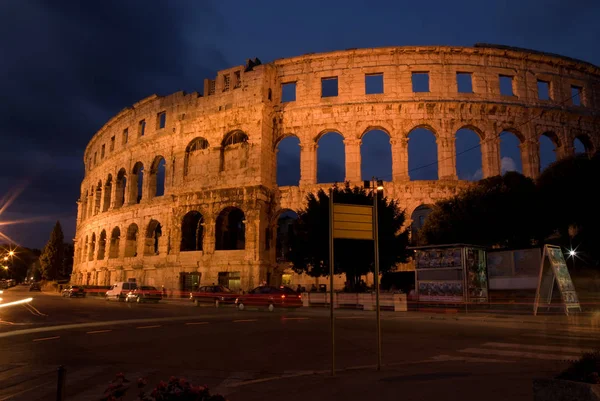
pixel 215 294
pixel 271 297
pixel 144 293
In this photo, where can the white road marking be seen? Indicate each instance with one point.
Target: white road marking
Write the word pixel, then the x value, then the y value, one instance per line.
pixel 195 323
pixel 46 338
pixel 148 327
pixel 554 348
pixel 520 354
pixel 349 317
pixel 295 318
pixel 245 320
pixel 97 331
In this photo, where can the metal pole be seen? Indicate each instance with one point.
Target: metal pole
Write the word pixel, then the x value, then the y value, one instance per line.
pixel 60 388
pixel 376 275
pixel 331 281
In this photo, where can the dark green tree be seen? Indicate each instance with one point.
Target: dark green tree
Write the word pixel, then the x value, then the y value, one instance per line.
pixel 52 257
pixel 310 244
pixel 496 211
pixel 67 265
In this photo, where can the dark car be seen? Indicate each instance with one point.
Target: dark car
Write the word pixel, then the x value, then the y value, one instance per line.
pixel 270 297
pixel 73 291
pixel 35 287
pixel 215 294
pixel 145 293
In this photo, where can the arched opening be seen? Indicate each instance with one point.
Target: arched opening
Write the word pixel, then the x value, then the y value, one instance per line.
pixel 548 145
pixel 98 198
pixel 85 249
pixel 376 155
pixel 422 155
pixel 113 250
pixel 101 245
pixel 192 231
pixel 583 144
pixel 285 235
pixel 107 193
pixel 234 151
pixel 230 230
pixel 192 152
pixel 121 185
pixel 468 155
pixel 131 241
pixel 510 152
pixel 137 184
pixel 153 234
pixel 157 176
pixel 418 217
pixel 331 158
pixel 92 247
pixel 84 205
pixel 91 201
pixel 288 161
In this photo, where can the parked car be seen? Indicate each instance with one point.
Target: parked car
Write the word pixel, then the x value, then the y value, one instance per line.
pixel 144 293
pixel 271 297
pixel 35 287
pixel 73 291
pixel 120 290
pixel 215 294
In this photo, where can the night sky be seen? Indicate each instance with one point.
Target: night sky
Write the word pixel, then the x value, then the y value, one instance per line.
pixel 66 67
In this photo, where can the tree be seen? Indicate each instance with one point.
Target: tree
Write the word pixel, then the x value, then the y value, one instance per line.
pixel 310 245
pixel 569 204
pixel 67 264
pixel 500 210
pixel 52 257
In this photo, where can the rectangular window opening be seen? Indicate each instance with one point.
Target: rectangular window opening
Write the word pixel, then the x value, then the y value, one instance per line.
pixel 576 95
pixel 238 79
pixel 329 87
pixel 125 135
pixel 420 82
pixel 102 151
pixel 464 82
pixel 506 85
pixel 112 143
pixel 288 92
pixel 142 128
pixel 373 83
pixel 161 120
pixel 543 88
pixel 225 82
pixel 95 158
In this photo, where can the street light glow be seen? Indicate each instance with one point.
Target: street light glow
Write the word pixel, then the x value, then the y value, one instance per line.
pixel 11 253
pixel 6 258
pixel 572 253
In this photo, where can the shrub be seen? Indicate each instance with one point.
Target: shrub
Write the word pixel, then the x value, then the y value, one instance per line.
pixel 586 369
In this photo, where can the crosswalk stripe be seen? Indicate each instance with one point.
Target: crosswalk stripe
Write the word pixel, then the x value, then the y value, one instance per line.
pixel 554 348
pixel 520 354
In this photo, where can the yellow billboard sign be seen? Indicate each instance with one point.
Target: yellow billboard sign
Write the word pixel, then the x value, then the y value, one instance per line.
pixel 352 221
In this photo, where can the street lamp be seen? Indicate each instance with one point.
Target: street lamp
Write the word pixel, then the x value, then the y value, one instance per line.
pixel 572 253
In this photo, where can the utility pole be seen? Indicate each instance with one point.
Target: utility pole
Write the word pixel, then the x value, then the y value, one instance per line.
pixel 331 281
pixel 376 187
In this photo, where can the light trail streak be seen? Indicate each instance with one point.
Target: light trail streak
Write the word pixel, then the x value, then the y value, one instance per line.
pixel 19 302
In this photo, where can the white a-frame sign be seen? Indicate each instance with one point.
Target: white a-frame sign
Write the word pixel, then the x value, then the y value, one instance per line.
pixel 554 270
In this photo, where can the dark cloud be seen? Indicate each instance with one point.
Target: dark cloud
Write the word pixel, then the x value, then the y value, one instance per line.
pixel 67 67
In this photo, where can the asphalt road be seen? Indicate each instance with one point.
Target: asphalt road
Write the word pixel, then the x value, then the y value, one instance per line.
pixel 258 355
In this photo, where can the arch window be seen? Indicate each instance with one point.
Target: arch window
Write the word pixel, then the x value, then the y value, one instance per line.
pixel 234 138
pixel 422 155
pixel 84 205
pixel 157 176
pixel 137 184
pixel 548 146
pixel 84 249
pixel 583 144
pixel 230 230
pixel 153 234
pixel 107 193
pixel 131 240
pixel 121 186
pixel 418 217
pixel 468 155
pixel 192 232
pixel 376 155
pixel 98 198
pixel 92 247
pixel 191 153
pixel 113 250
pixel 288 161
pixel 510 152
pixel 102 245
pixel 331 158
pixel 285 235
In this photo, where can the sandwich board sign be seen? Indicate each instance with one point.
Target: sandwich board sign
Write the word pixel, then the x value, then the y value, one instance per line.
pixel 553 270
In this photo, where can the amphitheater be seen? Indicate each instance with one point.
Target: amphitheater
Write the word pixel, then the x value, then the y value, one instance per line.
pixel 181 190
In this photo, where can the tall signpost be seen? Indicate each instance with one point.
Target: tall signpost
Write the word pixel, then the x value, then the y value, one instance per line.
pixel 354 222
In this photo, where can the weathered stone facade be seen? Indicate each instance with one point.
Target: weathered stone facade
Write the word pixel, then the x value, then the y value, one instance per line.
pixel 218 151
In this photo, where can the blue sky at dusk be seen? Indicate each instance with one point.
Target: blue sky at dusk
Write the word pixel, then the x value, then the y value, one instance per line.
pixel 67 67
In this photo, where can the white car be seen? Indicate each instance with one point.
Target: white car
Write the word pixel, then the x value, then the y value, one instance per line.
pixel 120 290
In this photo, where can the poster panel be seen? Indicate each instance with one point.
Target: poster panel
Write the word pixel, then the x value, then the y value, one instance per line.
pixel 441 291
pixel 563 278
pixel 438 258
pixel 477 283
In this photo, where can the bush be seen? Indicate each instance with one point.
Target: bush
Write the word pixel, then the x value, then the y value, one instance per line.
pixel 176 389
pixel 586 369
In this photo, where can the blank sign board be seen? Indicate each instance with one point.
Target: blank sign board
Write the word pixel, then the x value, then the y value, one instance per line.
pixel 352 221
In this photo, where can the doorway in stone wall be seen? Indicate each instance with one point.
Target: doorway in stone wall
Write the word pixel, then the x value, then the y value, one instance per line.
pixel 188 282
